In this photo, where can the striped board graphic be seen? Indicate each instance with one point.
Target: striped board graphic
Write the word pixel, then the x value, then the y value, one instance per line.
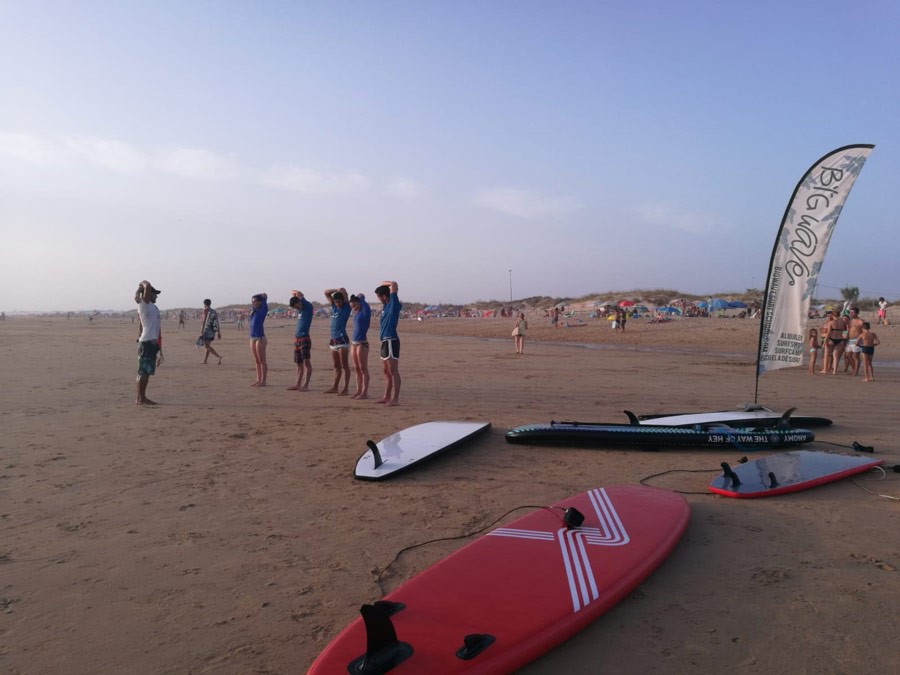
pixel 528 585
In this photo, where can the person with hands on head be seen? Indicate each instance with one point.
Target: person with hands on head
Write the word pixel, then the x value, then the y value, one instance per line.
pixel 339 342
pixel 302 341
pixel 259 309
pixel 359 344
pixel 390 341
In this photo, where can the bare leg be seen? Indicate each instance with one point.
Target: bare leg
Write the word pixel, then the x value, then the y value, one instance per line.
pixel 142 399
pixel 258 347
pixel 391 383
pixel 336 360
pixel 836 358
pixel 388 382
pixel 345 367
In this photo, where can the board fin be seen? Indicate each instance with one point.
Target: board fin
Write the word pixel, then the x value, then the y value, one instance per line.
pixel 474 644
pixel 773 482
pixel 384 651
pixel 632 418
pixel 377 455
pixel 730 474
pixel 785 421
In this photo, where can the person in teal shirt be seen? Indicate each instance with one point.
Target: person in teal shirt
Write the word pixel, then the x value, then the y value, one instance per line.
pixel 390 341
pixel 339 342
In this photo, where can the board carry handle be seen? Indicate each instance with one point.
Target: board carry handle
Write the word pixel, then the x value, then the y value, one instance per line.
pixel 474 644
pixel 377 455
pixel 384 651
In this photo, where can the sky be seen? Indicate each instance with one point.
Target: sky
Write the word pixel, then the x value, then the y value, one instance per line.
pixel 468 150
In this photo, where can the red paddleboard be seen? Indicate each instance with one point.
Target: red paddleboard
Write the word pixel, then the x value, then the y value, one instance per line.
pixel 516 592
pixel 787 472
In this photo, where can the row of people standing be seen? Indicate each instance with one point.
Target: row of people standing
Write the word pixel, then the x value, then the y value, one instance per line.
pixel 343 347
pixel 844 336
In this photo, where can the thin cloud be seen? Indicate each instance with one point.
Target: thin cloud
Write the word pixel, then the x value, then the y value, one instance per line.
pixel 404 189
pixel 310 182
pixel 196 163
pixel 115 155
pixel 526 204
pixel 31 149
pixel 670 215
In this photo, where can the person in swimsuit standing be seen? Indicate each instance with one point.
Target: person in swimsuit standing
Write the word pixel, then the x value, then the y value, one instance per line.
pixel 302 341
pixel 390 341
pixel 813 349
pixel 339 342
pixel 867 343
pixel 359 344
pixel 518 333
pixel 259 308
pixel 854 330
pixel 837 336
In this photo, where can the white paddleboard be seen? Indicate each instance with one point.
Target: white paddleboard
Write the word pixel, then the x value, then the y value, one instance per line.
pixel 404 449
pixel 748 417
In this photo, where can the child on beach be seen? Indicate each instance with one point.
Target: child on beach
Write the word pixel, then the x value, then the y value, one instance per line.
pixel 813 349
pixel 867 343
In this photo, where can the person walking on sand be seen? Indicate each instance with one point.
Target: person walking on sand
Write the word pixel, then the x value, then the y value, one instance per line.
pixel 181 319
pixel 339 342
pixel 867 343
pixel 390 341
pixel 359 344
pixel 148 340
pixel 302 341
pixel 518 333
pixel 813 343
pixel 259 308
pixel 211 330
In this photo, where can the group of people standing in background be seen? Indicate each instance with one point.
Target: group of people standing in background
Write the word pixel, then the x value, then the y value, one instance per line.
pixel 343 347
pixel 846 336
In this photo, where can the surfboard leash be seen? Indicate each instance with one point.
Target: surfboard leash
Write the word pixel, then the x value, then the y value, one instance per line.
pixel 563 519
pixel 681 492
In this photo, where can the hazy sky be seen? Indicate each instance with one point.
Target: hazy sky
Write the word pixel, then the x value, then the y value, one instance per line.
pixel 221 149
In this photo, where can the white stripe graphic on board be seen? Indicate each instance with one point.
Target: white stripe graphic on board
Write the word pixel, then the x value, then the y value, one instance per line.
pixel 583 587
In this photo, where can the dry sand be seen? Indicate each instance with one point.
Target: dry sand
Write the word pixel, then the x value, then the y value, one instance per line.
pixel 222 531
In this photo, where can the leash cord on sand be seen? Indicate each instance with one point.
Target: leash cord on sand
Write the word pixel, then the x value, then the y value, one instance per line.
pixel 883 476
pixel 378 579
pixel 681 492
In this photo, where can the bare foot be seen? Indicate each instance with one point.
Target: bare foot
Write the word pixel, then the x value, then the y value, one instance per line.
pixel 342 393
pixel 294 388
pixel 382 400
pixel 145 401
pixel 356 395
pixel 220 360
pixel 203 363
pixel 304 388
pixel 362 396
pixel 333 390
pixel 392 403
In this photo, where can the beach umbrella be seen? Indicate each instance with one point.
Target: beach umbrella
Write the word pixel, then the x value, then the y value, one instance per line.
pixel 737 304
pixel 700 303
pixel 641 308
pixel 668 310
pixel 719 303
pixel 625 303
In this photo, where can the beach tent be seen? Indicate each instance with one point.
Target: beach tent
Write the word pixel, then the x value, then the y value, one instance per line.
pixel 700 303
pixel 640 308
pixel 719 303
pixel 737 304
pixel 668 310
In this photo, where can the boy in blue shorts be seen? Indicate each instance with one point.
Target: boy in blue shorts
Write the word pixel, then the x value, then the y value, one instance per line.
pixel 390 342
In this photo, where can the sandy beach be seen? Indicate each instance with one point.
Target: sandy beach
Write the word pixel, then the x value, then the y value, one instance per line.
pixel 222 531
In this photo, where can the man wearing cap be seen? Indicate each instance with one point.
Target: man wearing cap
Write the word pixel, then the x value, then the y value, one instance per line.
pixel 148 342
pixel 302 342
pixel 390 341
pixel 339 342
